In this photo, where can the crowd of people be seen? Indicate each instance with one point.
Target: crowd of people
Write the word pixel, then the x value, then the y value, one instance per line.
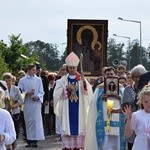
pixel 73 107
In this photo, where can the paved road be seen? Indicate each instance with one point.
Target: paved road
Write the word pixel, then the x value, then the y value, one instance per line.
pixel 50 143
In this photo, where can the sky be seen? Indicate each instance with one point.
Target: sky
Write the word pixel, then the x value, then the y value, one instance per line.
pixel 46 20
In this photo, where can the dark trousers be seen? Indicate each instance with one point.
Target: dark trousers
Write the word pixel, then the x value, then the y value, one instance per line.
pixel 23 123
pixel 130 145
pixel 32 141
pixel 50 123
pixel 42 111
pixel 16 119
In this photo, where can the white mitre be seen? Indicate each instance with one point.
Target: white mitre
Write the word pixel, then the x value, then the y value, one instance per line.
pixel 72 60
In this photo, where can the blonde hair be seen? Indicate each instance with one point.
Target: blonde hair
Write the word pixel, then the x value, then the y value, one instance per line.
pixel 144 91
pixel 21 72
pixel 7 75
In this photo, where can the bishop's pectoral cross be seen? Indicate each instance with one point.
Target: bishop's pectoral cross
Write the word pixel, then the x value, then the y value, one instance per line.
pixel 73 95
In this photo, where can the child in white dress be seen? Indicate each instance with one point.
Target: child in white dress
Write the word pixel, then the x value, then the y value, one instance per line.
pixel 139 121
pixel 7 130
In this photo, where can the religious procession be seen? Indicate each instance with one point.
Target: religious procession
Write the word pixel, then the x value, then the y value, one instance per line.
pixel 84 118
pixel 86 105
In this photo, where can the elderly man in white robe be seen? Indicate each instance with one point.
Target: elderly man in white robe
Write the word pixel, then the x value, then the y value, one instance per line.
pixel 100 133
pixel 72 96
pixel 33 88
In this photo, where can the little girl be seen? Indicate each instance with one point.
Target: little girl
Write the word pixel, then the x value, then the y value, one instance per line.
pixel 139 121
pixel 7 130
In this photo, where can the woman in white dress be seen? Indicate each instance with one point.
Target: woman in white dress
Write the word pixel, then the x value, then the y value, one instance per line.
pixel 139 121
pixel 7 130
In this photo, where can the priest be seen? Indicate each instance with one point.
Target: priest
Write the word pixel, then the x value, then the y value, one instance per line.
pixel 72 96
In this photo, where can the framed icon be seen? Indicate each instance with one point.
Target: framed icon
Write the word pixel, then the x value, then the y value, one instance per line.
pixel 88 37
pixel 111 85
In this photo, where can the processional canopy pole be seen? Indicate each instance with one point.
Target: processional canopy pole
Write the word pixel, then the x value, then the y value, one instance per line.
pixel 81 63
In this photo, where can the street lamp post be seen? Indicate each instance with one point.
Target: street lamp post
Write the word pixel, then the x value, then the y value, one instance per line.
pixel 129 44
pixel 140 34
pixel 63 47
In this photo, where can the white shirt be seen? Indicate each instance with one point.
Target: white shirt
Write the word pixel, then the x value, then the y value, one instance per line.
pixel 6 93
pixel 15 95
pixel 6 128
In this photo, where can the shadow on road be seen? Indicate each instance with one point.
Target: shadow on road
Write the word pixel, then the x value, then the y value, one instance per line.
pixel 50 143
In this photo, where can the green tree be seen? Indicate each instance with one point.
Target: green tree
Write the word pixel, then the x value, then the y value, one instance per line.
pixel 46 54
pixel 63 57
pixel 12 54
pixel 3 65
pixel 115 52
pixel 148 57
pixel 134 54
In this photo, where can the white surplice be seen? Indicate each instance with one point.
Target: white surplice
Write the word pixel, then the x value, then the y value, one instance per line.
pixel 32 109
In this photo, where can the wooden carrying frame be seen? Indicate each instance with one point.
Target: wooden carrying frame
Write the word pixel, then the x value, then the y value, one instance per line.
pixel 111 86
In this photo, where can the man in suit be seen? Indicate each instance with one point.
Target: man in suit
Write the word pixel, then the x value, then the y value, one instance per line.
pixel 45 88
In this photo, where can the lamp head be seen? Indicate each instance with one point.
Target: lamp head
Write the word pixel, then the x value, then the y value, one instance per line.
pixel 114 34
pixel 120 18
